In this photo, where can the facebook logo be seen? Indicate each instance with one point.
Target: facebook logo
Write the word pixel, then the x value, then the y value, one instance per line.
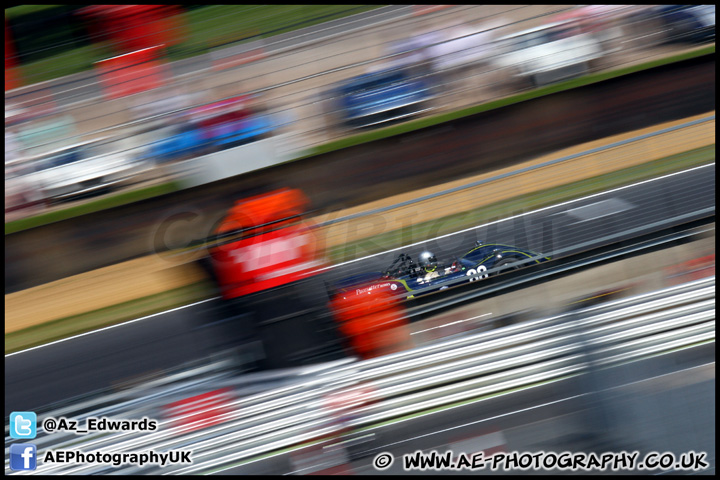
pixel 23 425
pixel 23 456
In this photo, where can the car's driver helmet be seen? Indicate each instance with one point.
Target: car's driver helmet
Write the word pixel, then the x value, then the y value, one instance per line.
pixel 427 261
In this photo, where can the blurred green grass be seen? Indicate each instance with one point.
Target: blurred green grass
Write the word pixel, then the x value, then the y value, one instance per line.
pixel 62 328
pixel 208 28
pixel 214 24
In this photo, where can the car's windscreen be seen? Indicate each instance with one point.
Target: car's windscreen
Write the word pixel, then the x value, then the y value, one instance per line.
pixel 560 32
pixel 64 158
pixel 373 83
pixel 70 156
pixel 530 40
pixel 467 263
pixel 541 37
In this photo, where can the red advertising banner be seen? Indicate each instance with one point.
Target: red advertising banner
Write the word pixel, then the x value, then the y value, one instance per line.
pixel 12 74
pixel 691 270
pixel 202 410
pixel 266 261
pixel 277 252
pixel 132 72
pixel 134 27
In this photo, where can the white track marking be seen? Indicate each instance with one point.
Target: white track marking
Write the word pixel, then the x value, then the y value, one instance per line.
pixel 112 326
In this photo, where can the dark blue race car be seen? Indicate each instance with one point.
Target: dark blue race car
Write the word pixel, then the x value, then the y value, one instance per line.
pixel 410 279
pixel 377 98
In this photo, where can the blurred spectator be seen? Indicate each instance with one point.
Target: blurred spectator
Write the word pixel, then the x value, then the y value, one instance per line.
pixel 176 131
pixel 233 121
pixel 47 133
pixel 14 114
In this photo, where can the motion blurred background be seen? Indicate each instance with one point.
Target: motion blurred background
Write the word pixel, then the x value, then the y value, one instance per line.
pixel 585 133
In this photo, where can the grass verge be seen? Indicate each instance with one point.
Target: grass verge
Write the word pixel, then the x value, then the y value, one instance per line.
pixel 77 324
pixel 105 203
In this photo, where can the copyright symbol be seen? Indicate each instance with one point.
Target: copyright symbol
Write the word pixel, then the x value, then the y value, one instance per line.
pixel 383 461
pixel 49 425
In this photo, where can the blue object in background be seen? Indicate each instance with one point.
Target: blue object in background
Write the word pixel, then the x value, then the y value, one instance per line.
pixel 384 96
pixel 242 131
pixel 23 456
pixel 187 140
pixel 194 138
pixel 688 23
pixel 23 425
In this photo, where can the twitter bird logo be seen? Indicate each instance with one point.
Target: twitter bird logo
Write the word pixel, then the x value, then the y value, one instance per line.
pixel 23 425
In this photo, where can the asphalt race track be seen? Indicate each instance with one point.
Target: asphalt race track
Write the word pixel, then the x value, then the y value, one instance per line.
pixel 103 359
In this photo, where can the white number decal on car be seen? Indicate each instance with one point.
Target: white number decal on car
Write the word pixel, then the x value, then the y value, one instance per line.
pixel 481 271
pixel 477 274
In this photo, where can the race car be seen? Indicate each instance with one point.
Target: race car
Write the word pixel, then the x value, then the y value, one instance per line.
pixel 377 98
pixel 410 279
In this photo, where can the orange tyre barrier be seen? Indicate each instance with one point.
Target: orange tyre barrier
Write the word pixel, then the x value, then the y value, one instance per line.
pixel 374 325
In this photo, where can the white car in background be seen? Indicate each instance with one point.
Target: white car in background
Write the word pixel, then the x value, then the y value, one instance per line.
pixel 548 53
pixel 84 168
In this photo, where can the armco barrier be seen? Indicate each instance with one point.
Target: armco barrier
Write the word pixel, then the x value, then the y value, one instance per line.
pixel 229 163
pixel 434 376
